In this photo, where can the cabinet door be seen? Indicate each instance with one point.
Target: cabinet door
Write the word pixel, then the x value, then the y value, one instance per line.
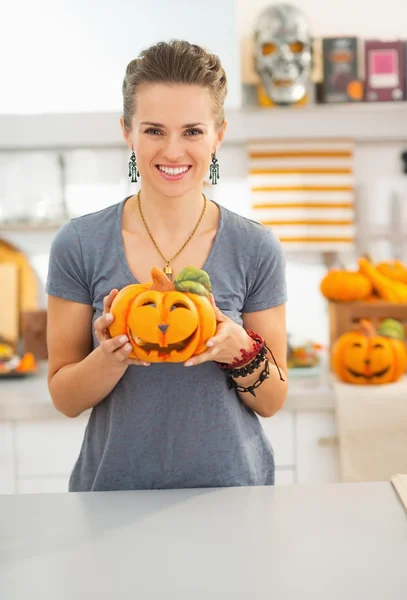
pixel 316 448
pixel 7 474
pixel 48 448
pixel 42 485
pixel 285 477
pixel 279 430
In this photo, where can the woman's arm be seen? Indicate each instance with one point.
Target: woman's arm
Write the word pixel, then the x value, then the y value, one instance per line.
pixel 271 394
pixel 79 378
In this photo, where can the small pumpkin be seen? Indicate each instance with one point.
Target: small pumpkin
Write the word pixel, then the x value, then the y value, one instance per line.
pixel 166 321
pixel 362 357
pixel 392 328
pixel 393 269
pixel 341 285
pixel 388 289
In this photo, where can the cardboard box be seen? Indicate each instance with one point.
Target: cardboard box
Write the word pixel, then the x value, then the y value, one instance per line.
pixel 344 316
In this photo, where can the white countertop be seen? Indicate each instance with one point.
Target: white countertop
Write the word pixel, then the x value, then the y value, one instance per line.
pixel 29 399
pixel 332 541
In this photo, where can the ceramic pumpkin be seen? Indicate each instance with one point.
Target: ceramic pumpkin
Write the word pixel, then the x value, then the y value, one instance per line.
pixel 345 286
pixel 364 358
pixel 166 321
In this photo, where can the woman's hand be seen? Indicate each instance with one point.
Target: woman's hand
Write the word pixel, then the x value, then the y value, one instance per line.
pixel 227 342
pixel 118 348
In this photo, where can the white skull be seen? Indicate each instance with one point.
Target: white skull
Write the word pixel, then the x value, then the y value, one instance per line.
pixel 283 53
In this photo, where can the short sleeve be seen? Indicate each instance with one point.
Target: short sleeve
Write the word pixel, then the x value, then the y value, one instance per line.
pixel 66 274
pixel 269 287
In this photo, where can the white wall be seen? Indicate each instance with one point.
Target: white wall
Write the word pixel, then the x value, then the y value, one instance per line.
pixel 71 55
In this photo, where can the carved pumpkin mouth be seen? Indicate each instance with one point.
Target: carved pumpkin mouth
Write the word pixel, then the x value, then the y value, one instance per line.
pixel 370 376
pixel 150 347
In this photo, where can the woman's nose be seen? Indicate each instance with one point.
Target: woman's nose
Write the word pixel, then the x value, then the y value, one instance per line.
pixel 174 149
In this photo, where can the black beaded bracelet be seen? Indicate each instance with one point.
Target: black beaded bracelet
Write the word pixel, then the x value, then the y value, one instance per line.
pixel 250 367
pixel 265 374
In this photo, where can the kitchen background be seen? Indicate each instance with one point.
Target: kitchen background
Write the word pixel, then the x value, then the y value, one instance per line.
pixel 62 155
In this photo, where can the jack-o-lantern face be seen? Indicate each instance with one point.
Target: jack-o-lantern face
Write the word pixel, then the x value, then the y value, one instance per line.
pixel 364 358
pixel 163 324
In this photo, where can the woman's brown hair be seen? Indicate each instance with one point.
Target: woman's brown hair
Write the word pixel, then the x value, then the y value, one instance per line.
pixel 175 62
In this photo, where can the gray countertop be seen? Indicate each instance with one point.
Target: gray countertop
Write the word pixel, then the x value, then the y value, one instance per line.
pixel 29 399
pixel 336 542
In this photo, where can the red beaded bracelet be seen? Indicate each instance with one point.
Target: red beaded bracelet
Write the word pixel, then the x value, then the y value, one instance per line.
pixel 258 344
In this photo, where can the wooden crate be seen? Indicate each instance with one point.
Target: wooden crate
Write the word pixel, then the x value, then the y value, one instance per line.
pixel 344 316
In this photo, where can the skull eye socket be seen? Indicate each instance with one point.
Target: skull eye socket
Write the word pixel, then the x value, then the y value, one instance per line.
pixel 296 47
pixel 268 49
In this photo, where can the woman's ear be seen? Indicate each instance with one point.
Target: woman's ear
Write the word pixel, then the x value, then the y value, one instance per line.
pixel 126 134
pixel 221 135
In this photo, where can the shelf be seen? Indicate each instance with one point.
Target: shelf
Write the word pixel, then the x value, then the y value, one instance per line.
pixel 364 122
pixel 27 227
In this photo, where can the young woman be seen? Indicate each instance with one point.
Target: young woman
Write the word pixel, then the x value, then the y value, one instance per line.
pixel 169 425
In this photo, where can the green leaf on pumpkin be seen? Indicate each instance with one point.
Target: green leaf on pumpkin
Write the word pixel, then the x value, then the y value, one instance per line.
pixel 193 281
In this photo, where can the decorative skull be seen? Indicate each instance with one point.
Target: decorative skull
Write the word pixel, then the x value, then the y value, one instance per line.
pixel 282 53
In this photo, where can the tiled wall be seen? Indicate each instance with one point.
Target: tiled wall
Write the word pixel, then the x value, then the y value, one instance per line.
pixel 31 184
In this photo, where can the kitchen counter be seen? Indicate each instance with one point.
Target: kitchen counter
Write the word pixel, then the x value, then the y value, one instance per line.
pixel 28 398
pixel 331 541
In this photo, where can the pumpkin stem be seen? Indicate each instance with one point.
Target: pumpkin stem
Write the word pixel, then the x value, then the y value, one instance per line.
pixel 161 283
pixel 367 328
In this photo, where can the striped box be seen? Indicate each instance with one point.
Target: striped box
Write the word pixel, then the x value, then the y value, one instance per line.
pixel 304 191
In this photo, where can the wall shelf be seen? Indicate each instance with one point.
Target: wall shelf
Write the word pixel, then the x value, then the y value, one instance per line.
pixel 364 122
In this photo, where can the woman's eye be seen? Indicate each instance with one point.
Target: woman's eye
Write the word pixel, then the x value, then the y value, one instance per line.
pixel 152 131
pixel 193 132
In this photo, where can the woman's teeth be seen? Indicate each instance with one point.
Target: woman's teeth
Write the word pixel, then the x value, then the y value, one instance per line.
pixel 173 170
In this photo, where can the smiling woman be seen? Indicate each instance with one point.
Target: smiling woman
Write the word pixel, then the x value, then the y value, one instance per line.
pixel 216 302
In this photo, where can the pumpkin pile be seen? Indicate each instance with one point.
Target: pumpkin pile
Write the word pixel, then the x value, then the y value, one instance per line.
pixel 166 321
pixel 363 357
pixel 385 281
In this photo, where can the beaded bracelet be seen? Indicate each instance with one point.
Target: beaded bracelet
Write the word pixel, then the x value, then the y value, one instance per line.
pixel 249 363
pixel 247 357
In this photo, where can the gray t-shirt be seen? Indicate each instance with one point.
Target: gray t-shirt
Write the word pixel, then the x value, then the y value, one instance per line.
pixel 167 426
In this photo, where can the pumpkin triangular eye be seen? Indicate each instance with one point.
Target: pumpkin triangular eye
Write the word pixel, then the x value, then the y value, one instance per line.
pixel 378 346
pixel 153 304
pixel 357 345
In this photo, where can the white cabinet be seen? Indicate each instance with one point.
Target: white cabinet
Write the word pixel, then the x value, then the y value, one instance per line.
pixel 285 476
pixel 42 485
pixel 7 471
pixel 317 455
pixel 45 454
pixel 38 456
pixel 280 432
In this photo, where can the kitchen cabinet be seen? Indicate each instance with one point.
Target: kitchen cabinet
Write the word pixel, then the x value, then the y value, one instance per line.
pixel 48 448
pixel 7 470
pixel 38 456
pixel 317 451
pixel 280 432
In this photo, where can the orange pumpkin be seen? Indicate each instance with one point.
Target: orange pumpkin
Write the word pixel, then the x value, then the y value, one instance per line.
pixel 364 358
pixel 345 286
pixel 393 269
pixel 165 321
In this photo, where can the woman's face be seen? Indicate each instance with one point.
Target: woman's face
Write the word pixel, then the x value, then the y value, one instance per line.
pixel 173 136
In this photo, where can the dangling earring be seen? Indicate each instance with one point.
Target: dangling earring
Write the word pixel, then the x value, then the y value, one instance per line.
pixel 214 170
pixel 133 171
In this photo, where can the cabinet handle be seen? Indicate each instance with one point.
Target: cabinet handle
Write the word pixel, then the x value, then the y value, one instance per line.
pixel 328 441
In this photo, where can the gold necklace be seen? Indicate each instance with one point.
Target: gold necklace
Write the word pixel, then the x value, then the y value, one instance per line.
pixel 167 268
